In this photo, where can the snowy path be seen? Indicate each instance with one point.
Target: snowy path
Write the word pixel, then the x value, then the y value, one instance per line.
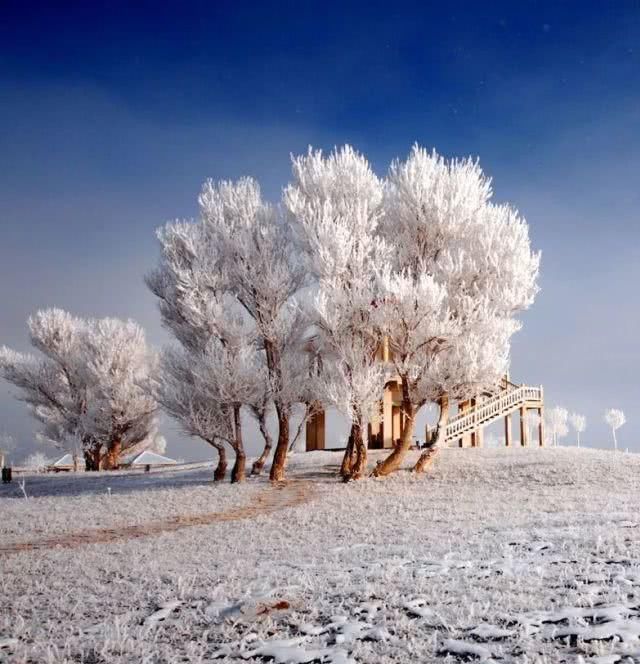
pixel 271 499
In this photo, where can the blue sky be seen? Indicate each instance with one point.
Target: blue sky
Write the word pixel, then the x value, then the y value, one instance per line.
pixel 112 116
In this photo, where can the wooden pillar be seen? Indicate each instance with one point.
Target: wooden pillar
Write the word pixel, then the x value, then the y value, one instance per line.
pixel 315 432
pixel 375 429
pixel 397 423
pixel 507 430
pixel 477 438
pixel 524 428
pixel 387 417
pixel 541 427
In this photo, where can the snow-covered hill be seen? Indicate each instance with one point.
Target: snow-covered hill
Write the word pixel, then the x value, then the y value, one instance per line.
pixel 495 555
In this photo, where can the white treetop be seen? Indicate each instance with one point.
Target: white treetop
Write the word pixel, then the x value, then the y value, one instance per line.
pixel 615 419
pixel 556 423
pixel 86 386
pixel 579 424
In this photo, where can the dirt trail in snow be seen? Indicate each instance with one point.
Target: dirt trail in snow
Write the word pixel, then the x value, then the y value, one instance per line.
pixel 273 498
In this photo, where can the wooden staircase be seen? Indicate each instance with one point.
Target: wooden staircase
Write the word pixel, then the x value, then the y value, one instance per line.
pixel 506 401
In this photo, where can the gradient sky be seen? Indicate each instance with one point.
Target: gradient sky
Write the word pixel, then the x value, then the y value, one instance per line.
pixel 111 118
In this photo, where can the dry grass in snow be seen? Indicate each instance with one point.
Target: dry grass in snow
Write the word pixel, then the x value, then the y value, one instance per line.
pixel 494 556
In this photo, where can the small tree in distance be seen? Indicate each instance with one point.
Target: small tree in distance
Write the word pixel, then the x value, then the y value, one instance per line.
pixel 36 462
pixel 533 422
pixel 557 424
pixel 7 444
pixel 615 419
pixel 579 424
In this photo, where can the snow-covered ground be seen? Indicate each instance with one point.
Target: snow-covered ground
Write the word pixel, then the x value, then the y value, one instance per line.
pixel 69 502
pixel 495 555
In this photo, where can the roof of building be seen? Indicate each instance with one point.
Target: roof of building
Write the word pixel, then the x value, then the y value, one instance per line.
pixel 66 460
pixel 148 458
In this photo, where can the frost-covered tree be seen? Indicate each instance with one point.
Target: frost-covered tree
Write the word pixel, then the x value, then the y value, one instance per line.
pixel 193 307
pixel 556 424
pixel 119 413
pixel 335 202
pixel 615 419
pixel 7 445
pixel 36 462
pixel 260 261
pixel 460 269
pixel 236 263
pixel 231 374
pixel 53 384
pixel 259 409
pixel 579 424
pixel 84 388
pixel 473 363
pixel 204 392
pixel 352 383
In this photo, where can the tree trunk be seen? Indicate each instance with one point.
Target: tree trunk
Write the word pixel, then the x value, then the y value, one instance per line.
pixel 429 454
pixel 238 472
pixel 426 459
pixel 359 434
pixel 88 460
pixel 348 459
pixel 393 462
pixel 221 469
pixel 258 465
pixel 277 473
pixel 91 453
pixel 113 455
pixel 395 459
pixel 97 457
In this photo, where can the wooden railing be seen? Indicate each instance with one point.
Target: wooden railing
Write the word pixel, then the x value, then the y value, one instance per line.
pixel 485 412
